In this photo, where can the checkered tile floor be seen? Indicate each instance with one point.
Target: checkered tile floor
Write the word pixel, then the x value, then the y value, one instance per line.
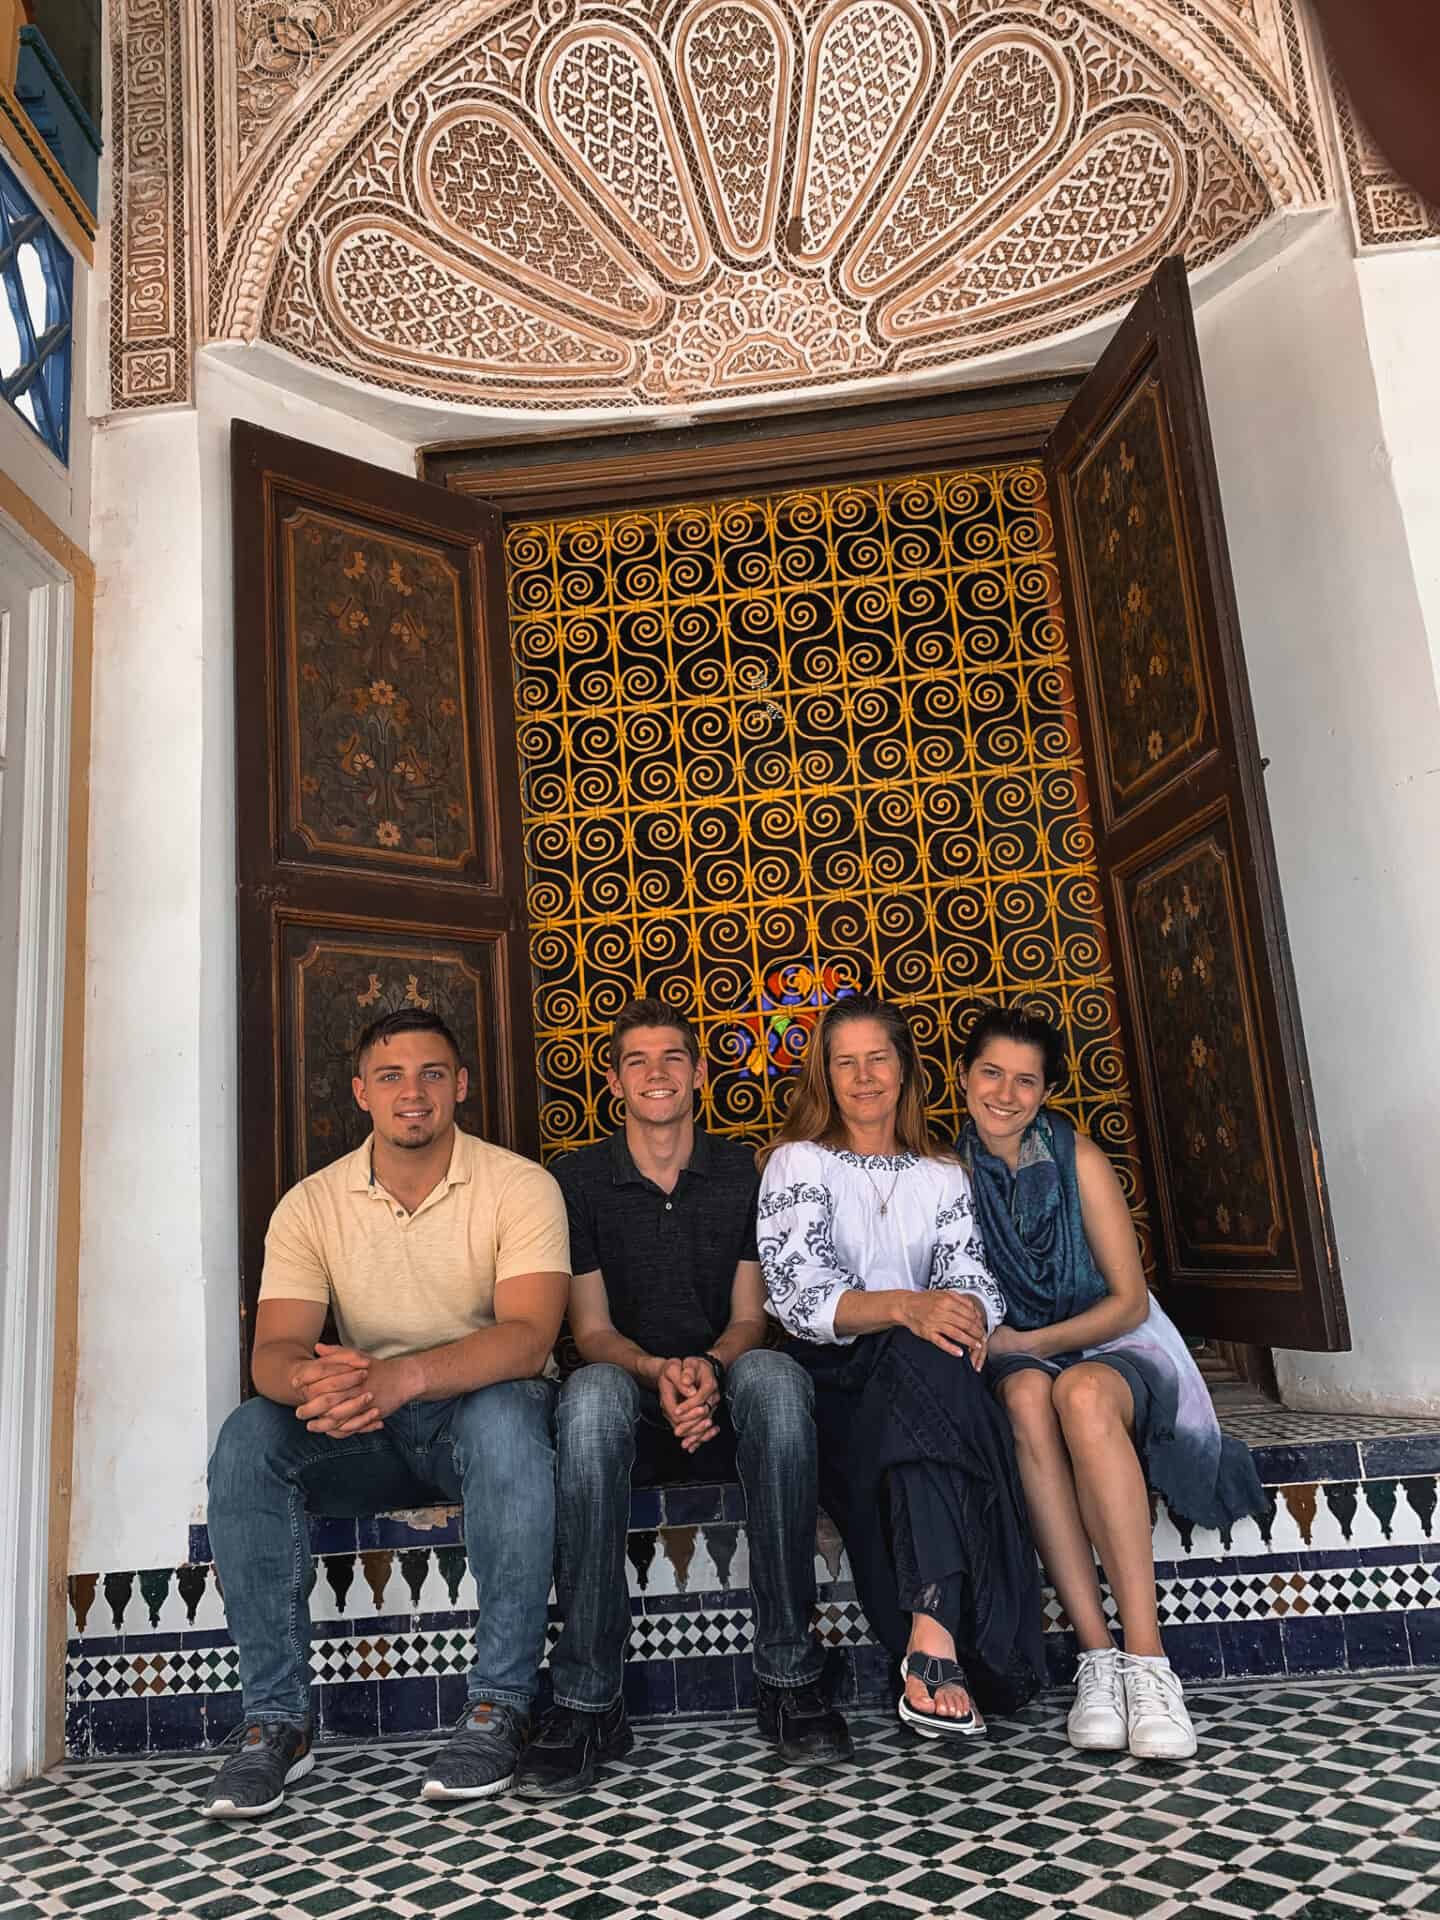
pixel 1261 1426
pixel 1308 1801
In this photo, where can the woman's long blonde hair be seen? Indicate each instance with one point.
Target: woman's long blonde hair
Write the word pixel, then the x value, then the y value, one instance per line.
pixel 813 1113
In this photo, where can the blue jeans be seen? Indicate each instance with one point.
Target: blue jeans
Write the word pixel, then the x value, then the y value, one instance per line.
pixel 768 1399
pixel 493 1450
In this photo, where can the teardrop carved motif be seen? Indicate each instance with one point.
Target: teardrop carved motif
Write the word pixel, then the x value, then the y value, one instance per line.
pixel 1116 200
pixel 733 64
pixel 1003 114
pixel 604 97
pixel 870 62
pixel 401 298
pixel 484 178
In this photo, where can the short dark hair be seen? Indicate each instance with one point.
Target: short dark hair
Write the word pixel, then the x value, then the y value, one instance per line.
pixel 403 1020
pixel 1024 1026
pixel 651 1012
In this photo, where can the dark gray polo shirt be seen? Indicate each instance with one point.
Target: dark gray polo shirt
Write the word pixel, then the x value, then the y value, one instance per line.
pixel 668 1259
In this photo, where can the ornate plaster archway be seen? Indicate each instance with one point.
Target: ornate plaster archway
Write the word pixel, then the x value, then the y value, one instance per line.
pixel 549 205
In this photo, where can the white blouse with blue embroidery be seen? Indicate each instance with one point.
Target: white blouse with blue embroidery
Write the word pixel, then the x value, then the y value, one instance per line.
pixel 822 1231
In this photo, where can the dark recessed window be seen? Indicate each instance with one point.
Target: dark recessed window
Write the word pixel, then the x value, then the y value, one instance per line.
pixel 35 337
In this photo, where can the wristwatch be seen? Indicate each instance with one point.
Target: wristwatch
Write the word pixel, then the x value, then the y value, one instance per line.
pixel 719 1365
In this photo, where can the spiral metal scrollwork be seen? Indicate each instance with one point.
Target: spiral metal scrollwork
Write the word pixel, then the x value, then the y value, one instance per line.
pixel 780 747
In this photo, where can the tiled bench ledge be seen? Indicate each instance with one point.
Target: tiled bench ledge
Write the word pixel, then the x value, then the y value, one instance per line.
pixel 1347 1575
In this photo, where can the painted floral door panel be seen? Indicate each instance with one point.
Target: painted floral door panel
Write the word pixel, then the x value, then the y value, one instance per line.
pixel 378 767
pixel 1229 1140
pixel 1197 1015
pixel 1155 713
pixel 378 825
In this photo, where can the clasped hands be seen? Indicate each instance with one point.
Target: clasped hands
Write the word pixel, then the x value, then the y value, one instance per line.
pixel 344 1392
pixel 954 1322
pixel 689 1398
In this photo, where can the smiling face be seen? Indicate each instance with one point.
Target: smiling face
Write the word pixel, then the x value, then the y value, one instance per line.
pixel 865 1074
pixel 410 1085
pixel 1004 1090
pixel 656 1077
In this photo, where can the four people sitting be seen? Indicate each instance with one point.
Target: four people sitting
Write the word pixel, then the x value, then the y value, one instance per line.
pixel 934 1299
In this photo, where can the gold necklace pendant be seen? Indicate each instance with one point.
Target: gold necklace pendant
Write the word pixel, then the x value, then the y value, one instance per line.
pixel 884 1199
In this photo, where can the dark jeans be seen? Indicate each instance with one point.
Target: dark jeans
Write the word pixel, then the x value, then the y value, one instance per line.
pixel 768 1400
pixel 493 1450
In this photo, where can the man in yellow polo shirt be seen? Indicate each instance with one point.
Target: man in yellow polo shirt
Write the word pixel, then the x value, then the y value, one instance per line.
pixel 446 1261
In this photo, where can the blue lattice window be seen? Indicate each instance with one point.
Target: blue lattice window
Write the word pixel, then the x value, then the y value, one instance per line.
pixel 35 337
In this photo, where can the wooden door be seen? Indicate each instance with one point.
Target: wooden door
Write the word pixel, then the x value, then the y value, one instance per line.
pixel 378 807
pixel 1243 1237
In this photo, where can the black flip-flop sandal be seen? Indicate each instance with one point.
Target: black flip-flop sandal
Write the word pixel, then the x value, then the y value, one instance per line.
pixel 933 1672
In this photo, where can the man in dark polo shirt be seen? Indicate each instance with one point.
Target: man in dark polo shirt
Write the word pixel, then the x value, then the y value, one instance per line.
pixel 667 1308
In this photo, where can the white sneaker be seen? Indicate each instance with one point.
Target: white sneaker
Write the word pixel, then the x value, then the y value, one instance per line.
pixel 1097 1722
pixel 1160 1727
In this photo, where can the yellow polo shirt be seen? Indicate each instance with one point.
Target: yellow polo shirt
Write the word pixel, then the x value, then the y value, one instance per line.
pixel 401 1282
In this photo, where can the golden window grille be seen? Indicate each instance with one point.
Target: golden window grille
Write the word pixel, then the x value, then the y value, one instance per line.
pixel 828 730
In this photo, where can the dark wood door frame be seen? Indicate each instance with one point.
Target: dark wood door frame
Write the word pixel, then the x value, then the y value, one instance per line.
pixel 525 479
pixel 540 477
pixel 1201 811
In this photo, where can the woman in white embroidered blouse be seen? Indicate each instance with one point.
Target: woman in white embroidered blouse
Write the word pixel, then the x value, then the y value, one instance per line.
pixel 873 1265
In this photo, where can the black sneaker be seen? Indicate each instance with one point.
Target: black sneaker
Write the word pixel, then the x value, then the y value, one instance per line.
pixel 565 1753
pixel 478 1760
pixel 272 1755
pixel 800 1724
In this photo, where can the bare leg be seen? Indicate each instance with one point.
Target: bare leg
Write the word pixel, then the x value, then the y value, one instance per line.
pixel 1055 1518
pixel 1097 1419
pixel 950 1703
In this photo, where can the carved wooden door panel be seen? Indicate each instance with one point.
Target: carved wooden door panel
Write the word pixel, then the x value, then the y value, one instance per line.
pixel 1243 1238
pixel 377 805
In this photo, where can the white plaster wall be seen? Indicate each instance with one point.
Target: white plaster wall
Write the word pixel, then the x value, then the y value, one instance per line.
pixel 1400 295
pixel 158 1327
pixel 1345 697
pixel 139 1401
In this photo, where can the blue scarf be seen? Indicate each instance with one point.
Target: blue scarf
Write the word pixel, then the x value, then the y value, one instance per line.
pixel 1030 1221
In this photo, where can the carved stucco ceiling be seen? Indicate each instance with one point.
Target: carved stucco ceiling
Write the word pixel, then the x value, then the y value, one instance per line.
pixel 566 203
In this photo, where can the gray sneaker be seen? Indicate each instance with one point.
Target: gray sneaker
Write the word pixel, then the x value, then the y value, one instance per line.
pixel 271 1757
pixel 478 1762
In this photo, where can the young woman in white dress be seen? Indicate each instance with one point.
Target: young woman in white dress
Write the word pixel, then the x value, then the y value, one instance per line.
pixel 1100 1388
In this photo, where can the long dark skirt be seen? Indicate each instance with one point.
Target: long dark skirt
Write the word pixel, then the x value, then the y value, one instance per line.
pixel 917 1470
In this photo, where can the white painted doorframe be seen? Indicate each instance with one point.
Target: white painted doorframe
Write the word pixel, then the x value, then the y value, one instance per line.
pixel 40 599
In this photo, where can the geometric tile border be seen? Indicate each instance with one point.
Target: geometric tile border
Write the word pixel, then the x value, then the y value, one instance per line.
pixel 1345 1575
pixel 420 1650
pixel 1338 1515
pixel 1386 211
